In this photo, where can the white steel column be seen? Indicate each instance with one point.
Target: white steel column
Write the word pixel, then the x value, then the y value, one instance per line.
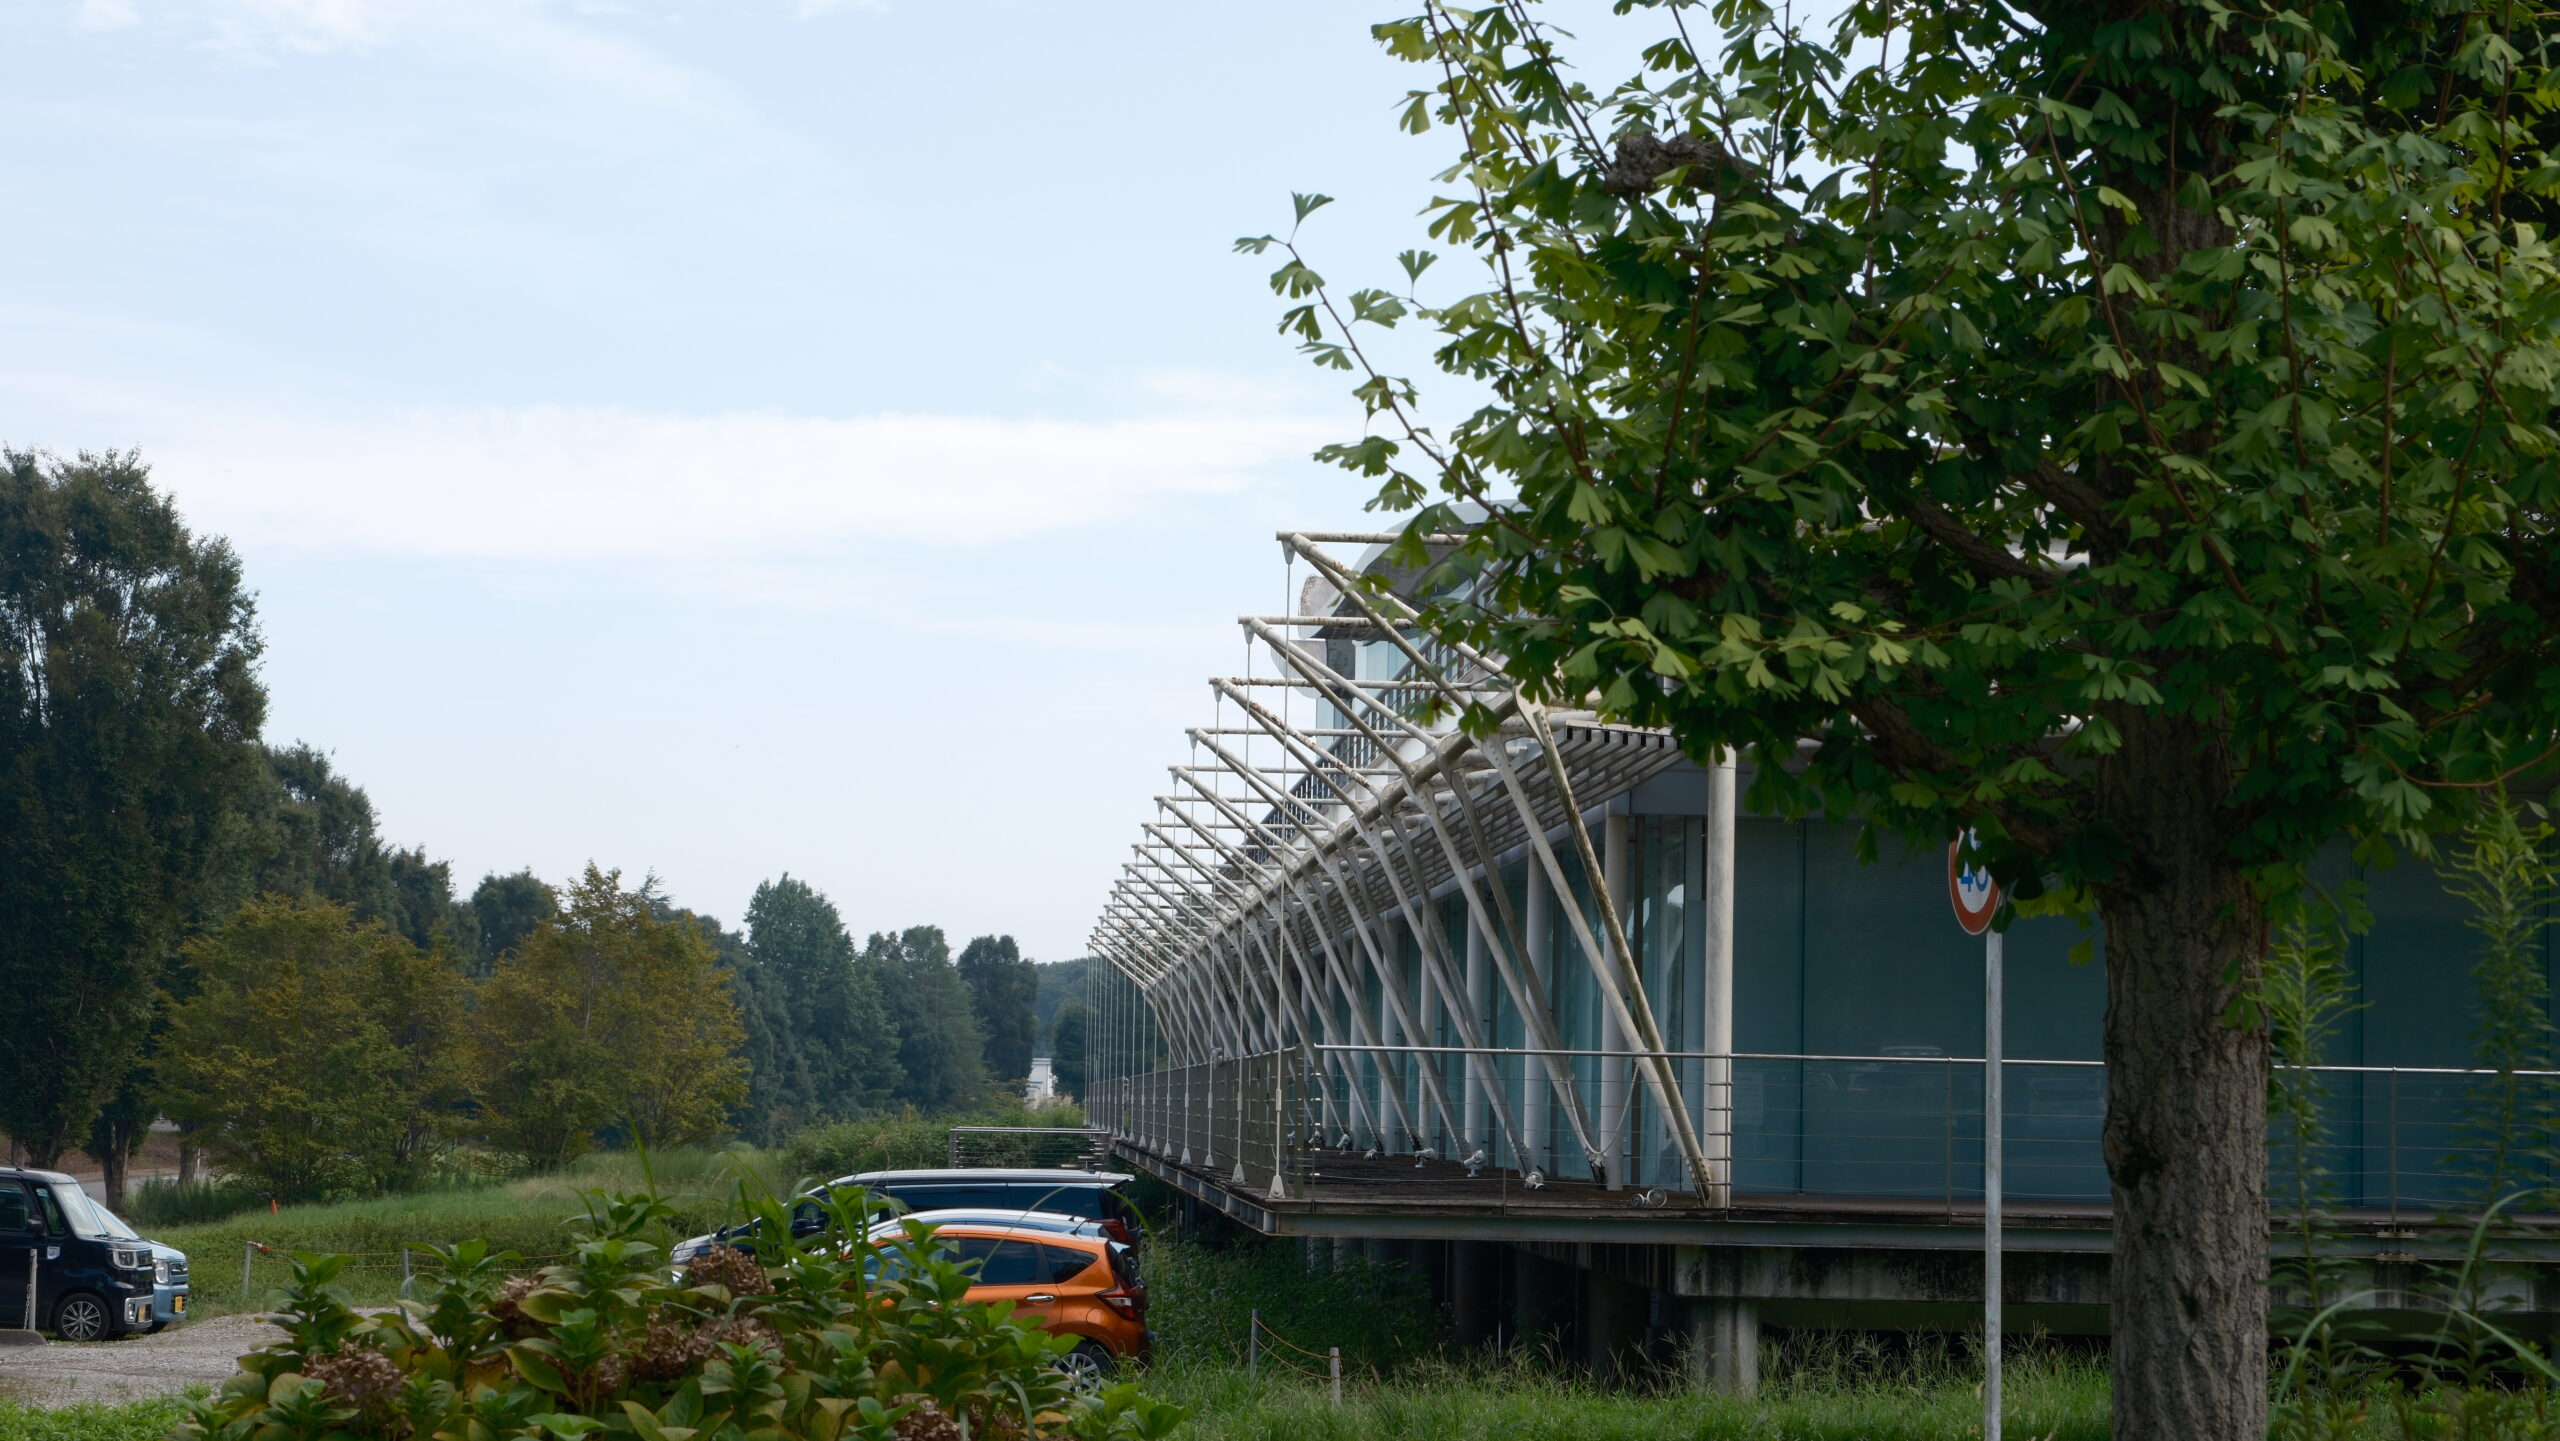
pixel 1616 863
pixel 1715 991
pixel 1480 1010
pixel 1533 1104
pixel 1390 1080
pixel 1427 1009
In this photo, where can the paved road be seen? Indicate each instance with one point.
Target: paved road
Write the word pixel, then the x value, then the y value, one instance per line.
pixel 132 1369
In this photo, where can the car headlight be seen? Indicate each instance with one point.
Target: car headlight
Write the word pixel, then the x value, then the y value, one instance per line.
pixel 160 1271
pixel 125 1259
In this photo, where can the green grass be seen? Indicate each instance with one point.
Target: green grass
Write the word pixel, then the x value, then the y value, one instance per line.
pixel 526 1216
pixel 94 1421
pixel 2051 1398
pixel 1202 1298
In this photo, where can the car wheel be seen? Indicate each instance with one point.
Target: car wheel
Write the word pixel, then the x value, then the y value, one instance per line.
pixel 1087 1365
pixel 82 1317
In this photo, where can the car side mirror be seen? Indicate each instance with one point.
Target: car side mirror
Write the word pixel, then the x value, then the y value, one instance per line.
pixel 808 1226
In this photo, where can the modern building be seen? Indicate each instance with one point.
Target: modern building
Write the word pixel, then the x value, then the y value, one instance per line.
pixel 1540 1005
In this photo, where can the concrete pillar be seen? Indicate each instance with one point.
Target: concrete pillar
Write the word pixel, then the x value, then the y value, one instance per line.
pixel 1378 1249
pixel 1344 1248
pixel 1475 1285
pixel 1617 873
pixel 1542 1299
pixel 1723 1345
pixel 1613 1324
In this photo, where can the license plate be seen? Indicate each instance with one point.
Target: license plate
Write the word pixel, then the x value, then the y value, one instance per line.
pixel 178 1304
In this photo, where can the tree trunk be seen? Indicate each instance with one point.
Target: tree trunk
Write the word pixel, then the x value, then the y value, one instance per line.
pixel 2185 1136
pixel 111 1175
pixel 189 1158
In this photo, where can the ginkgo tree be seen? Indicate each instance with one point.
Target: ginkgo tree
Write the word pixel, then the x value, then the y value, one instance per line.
pixel 2122 428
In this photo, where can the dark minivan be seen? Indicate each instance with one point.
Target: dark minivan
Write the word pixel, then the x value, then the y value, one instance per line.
pixel 1090 1195
pixel 94 1278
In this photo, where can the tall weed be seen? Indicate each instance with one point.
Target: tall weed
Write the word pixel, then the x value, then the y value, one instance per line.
pixel 1822 1396
pixel 1203 1298
pixel 911 1140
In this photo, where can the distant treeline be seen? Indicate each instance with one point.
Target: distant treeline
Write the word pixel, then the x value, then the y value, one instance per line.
pixel 210 927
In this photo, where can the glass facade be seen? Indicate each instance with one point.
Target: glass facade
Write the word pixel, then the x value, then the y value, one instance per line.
pixel 1857 1028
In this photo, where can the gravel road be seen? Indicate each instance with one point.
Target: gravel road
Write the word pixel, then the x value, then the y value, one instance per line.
pixel 132 1369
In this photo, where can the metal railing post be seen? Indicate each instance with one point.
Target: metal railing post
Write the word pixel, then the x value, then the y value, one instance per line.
pixel 2391 1140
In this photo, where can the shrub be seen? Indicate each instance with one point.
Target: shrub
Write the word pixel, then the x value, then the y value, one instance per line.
pixel 1380 1314
pixel 878 1343
pixel 908 1140
pixel 187 1203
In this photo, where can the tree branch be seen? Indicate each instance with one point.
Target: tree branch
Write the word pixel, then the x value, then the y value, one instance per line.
pixel 1984 557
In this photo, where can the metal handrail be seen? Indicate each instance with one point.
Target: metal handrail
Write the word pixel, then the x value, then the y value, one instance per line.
pixel 1889 1060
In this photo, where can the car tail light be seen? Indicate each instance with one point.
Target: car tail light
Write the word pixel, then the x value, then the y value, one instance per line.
pixel 1119 1231
pixel 1123 1304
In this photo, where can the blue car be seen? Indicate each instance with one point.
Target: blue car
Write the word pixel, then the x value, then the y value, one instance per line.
pixel 71 1266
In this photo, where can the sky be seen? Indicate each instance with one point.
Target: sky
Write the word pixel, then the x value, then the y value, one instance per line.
pixel 725 439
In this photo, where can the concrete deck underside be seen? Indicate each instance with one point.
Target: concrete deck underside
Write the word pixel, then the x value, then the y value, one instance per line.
pixel 1817 1260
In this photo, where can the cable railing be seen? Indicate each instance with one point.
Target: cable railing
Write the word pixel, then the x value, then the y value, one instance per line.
pixel 1904 1125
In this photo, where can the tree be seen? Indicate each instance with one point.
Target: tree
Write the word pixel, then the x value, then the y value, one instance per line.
pixel 323 843
pixel 939 1061
pixel 129 709
pixel 780 1100
pixel 1068 1038
pixel 424 908
pixel 2123 429
pixel 780 1097
pixel 507 908
pixel 1003 993
pixel 319 1054
pixel 1060 982
pixel 839 1028
pixel 606 1014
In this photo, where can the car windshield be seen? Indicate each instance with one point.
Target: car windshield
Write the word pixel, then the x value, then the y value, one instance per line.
pixel 87 1217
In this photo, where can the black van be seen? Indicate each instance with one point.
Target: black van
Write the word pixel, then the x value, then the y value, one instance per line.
pixel 1087 1195
pixel 94 1278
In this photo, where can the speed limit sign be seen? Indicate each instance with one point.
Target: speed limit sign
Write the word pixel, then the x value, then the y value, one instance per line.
pixel 1970 887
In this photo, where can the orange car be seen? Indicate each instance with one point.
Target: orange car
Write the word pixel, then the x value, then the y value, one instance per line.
pixel 1073 1282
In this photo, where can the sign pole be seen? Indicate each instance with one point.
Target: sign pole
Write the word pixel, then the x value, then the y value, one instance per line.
pixel 1991 1179
pixel 1976 898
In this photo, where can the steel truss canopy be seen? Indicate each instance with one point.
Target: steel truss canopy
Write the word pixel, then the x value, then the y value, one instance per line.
pixel 1290 881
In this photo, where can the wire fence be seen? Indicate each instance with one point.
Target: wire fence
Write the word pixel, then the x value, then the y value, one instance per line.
pixel 1326 1368
pixel 266 1269
pixel 1895 1126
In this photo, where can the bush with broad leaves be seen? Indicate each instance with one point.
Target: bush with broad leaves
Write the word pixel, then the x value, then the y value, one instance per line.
pixel 826 1339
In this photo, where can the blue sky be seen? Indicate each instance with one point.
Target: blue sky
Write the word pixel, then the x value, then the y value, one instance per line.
pixel 716 439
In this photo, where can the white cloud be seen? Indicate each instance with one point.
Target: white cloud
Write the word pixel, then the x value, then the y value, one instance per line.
pixel 560 483
pixel 106 15
pixel 305 26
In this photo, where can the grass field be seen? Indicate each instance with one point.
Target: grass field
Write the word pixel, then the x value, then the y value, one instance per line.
pixel 1401 1385
pixel 526 1216
pixel 90 1421
pixel 1529 1400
